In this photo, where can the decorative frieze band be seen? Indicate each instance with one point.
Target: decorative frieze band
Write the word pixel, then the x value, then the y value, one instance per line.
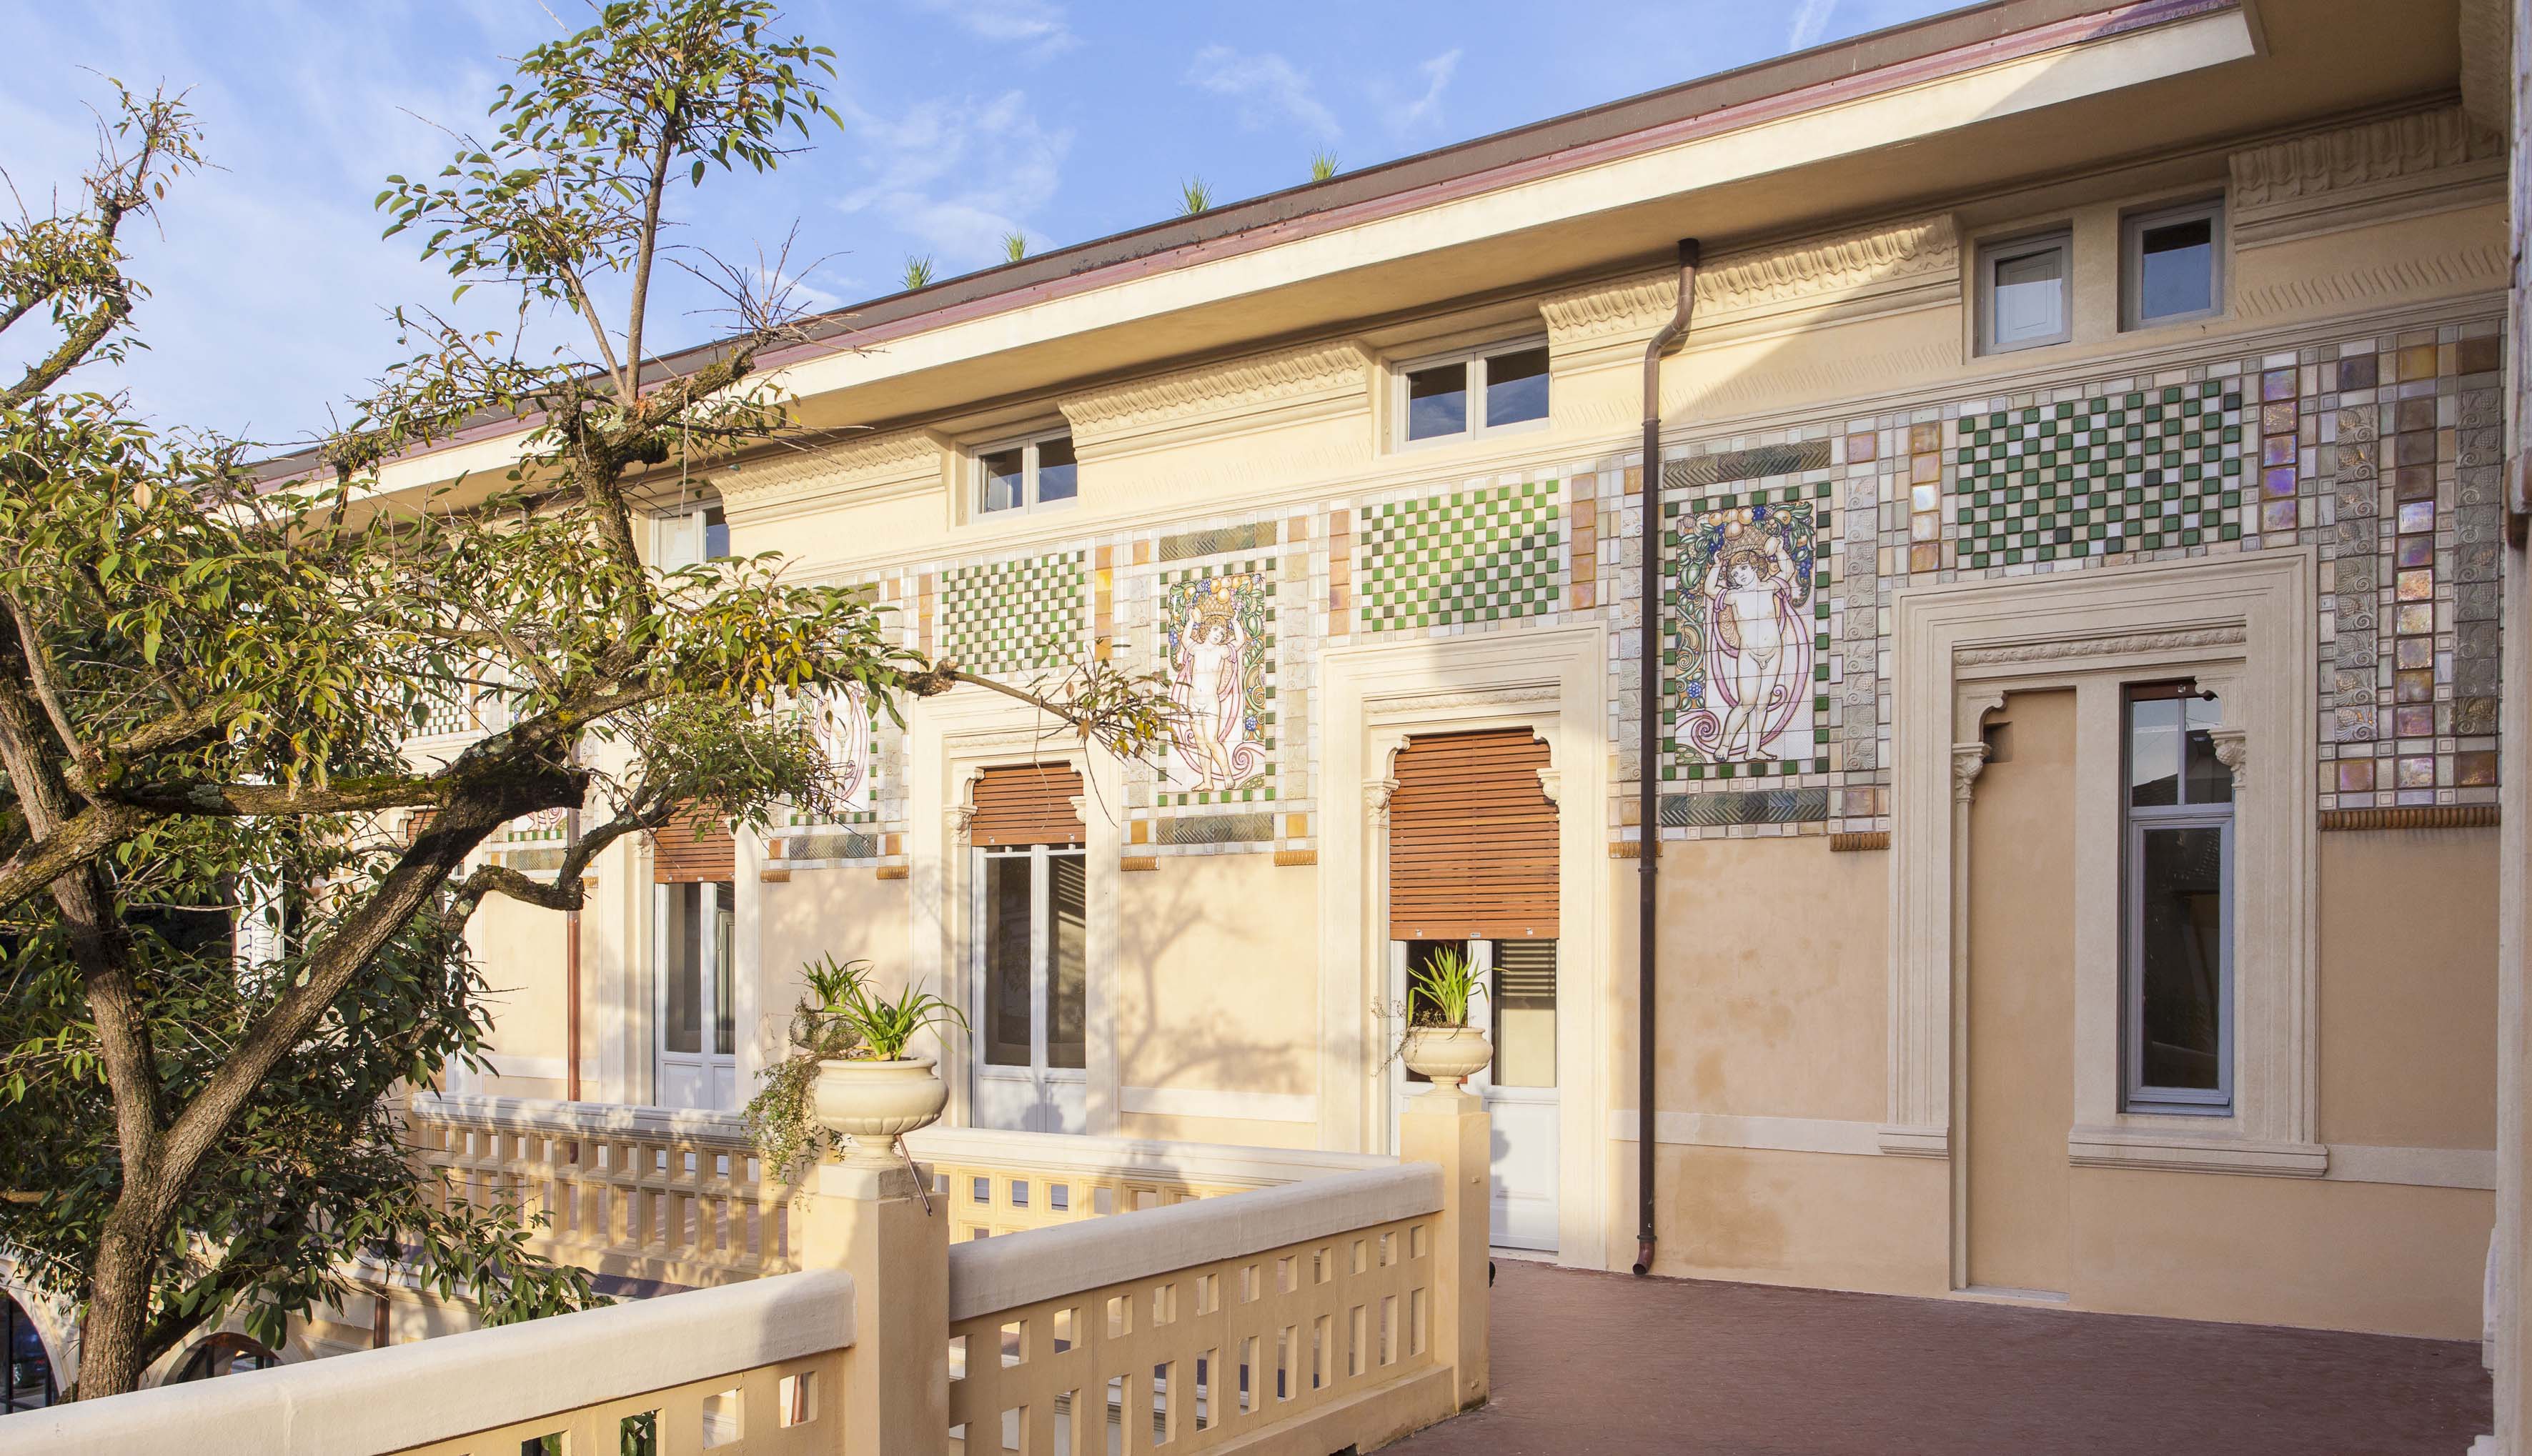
pixel 2423 161
pixel 1313 375
pixel 870 465
pixel 1883 266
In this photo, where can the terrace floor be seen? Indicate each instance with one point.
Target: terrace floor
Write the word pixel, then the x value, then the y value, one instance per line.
pixel 1588 1362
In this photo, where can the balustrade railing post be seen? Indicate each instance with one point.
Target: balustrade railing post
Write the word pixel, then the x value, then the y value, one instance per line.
pixel 1448 1127
pixel 871 1218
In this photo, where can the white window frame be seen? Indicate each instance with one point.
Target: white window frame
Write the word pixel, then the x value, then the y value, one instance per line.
pixel 2023 245
pixel 666 526
pixel 1475 360
pixel 2136 1095
pixel 1029 504
pixel 2132 229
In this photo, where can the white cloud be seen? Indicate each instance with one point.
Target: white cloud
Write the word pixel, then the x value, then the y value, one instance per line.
pixel 1034 24
pixel 1268 89
pixel 1811 18
pixel 1424 111
pixel 955 173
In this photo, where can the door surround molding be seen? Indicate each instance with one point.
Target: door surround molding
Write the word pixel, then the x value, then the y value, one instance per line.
pixel 950 741
pixel 1551 680
pixel 2244 626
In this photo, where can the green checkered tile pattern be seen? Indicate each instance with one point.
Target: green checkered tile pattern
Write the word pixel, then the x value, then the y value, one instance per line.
pixel 1014 616
pixel 2135 472
pixel 1490 554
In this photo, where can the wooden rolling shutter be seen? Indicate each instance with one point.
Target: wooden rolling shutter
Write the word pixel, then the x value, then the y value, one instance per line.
pixel 679 857
pixel 1028 803
pixel 1472 842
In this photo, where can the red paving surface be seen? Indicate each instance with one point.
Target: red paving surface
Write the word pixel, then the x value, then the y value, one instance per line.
pixel 1592 1361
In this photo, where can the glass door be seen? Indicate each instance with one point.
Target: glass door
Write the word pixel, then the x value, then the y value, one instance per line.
pixel 696 1051
pixel 1520 1085
pixel 1031 937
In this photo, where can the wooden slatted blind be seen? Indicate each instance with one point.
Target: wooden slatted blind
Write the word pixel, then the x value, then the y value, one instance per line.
pixel 679 857
pixel 1472 842
pixel 1028 803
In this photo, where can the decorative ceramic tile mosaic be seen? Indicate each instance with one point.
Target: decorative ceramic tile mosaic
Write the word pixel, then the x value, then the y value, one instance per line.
pixel 1488 553
pixel 2101 475
pixel 1217 632
pixel 843 724
pixel 1014 616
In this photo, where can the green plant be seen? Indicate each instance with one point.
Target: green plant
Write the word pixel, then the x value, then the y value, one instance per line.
pixel 1323 165
pixel 1194 197
pixel 884 1028
pixel 918 271
pixel 1442 989
pixel 1015 244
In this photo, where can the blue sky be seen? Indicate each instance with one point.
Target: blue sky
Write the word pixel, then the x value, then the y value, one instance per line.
pixel 965 118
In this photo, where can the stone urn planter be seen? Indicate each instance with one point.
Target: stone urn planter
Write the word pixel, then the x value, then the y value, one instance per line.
pixel 1448 1055
pixel 871 1104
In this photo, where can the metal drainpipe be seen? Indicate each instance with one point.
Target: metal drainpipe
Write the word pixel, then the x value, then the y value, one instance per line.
pixel 1649 751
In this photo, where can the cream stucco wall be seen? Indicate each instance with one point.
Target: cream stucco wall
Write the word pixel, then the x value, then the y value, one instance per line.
pixel 1216 983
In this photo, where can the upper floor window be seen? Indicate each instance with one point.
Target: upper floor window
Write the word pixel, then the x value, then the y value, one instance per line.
pixel 1026 474
pixel 692 537
pixel 2177 879
pixel 1482 392
pixel 2026 293
pixel 2171 265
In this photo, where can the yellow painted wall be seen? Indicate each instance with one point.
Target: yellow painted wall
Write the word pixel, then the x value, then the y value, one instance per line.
pixel 2409 987
pixel 1217 976
pixel 846 911
pixel 521 951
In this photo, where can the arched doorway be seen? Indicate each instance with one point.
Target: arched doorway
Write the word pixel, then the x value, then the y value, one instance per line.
pixel 31 1383
pixel 224 1354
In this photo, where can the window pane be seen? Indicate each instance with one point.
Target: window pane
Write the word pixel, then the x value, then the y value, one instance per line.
pixel 1058 478
pixel 1524 1001
pixel 2176 269
pixel 681 950
pixel 2030 300
pixel 725 917
pixel 1002 481
pixel 1067 943
pixel 716 534
pixel 1517 386
pixel 1006 960
pixel 2154 750
pixel 2180 956
pixel 2209 780
pixel 1437 401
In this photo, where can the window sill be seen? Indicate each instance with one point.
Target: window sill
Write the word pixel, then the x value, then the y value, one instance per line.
pixel 2168 1150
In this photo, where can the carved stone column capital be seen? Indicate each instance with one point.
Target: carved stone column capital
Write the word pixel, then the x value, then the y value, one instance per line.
pixel 1967 760
pixel 957 820
pixel 1375 796
pixel 1551 782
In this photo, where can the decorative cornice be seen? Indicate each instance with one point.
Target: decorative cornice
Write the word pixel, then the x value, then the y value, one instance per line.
pixel 1420 702
pixel 2059 649
pixel 906 458
pixel 2367 153
pixel 2466 269
pixel 1311 373
pixel 1732 289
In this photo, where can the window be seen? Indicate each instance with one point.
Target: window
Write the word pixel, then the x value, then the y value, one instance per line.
pixel 1026 474
pixel 2172 265
pixel 2178 877
pixel 692 537
pixel 2024 293
pixel 1475 394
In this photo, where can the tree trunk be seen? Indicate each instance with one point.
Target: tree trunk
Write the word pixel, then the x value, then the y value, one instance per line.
pixel 111 1357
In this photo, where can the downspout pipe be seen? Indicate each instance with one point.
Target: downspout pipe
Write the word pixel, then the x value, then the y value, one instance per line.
pixel 1649 751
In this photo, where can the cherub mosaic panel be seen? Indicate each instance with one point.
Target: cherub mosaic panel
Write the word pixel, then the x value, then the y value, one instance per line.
pixel 1745 652
pixel 1216 629
pixel 1015 616
pixel 841 724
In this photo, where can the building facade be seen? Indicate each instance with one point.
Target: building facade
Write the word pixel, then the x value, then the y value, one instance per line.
pixel 2076 603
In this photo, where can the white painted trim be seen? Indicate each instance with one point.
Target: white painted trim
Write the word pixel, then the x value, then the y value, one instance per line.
pixel 2418 1167
pixel 1760 1133
pixel 1553 681
pixel 1202 1164
pixel 987 1275
pixel 2161 1148
pixel 434 1390
pixel 1192 1101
